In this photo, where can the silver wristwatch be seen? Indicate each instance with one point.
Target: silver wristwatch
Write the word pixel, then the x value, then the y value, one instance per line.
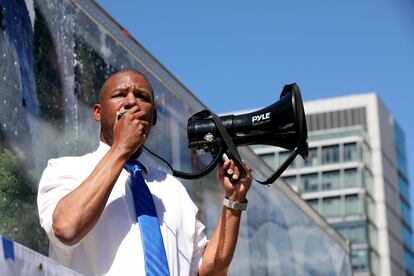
pixel 235 205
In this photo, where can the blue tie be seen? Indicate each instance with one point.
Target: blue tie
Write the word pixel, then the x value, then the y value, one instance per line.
pixel 154 251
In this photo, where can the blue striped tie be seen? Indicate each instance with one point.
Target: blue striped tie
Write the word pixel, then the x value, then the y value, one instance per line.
pixel 154 251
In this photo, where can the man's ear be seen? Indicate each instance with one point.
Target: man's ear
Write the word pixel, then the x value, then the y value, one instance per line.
pixel 154 117
pixel 96 112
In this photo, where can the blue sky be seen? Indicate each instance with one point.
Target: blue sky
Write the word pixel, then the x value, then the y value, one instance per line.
pixel 236 55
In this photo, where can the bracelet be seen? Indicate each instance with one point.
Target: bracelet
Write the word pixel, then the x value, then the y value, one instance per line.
pixel 235 205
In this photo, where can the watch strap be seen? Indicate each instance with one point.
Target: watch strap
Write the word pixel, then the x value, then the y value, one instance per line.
pixel 235 205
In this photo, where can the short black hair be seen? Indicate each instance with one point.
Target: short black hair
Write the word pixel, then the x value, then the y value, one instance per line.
pixel 131 70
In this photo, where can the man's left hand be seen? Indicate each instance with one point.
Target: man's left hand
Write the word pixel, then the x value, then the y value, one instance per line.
pixel 235 187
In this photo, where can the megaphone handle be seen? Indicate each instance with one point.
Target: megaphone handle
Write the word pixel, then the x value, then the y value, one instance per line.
pixel 225 158
pixel 243 172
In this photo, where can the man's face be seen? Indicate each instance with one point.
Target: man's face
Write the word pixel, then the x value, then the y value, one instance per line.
pixel 120 93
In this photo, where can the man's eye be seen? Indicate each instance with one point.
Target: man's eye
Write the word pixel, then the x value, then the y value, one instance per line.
pixel 118 95
pixel 144 97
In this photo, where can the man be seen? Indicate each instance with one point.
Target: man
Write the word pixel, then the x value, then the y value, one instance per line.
pixel 87 208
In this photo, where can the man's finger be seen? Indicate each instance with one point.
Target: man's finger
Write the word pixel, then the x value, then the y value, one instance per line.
pixel 236 173
pixel 230 169
pixel 122 112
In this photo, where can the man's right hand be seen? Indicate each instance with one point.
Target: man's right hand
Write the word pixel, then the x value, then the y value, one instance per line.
pixel 131 130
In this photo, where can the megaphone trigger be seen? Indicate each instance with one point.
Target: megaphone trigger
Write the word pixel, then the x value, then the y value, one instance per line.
pixel 225 158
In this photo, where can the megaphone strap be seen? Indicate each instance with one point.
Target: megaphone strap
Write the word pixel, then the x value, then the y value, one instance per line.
pixel 280 170
pixel 231 148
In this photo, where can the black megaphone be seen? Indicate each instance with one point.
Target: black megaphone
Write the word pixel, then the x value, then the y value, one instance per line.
pixel 282 124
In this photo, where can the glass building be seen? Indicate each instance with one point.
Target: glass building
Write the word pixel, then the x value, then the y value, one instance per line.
pixel 356 177
pixel 54 56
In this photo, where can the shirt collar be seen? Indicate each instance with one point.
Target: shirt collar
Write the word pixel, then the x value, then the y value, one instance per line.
pixel 103 148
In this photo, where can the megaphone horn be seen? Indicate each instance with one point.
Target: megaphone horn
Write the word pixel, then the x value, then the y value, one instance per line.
pixel 282 124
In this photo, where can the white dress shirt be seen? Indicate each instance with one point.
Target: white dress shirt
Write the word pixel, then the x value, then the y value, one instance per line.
pixel 113 246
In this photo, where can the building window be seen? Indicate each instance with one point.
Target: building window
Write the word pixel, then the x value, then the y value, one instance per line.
pixel 331 206
pixel 358 233
pixel 359 260
pixel 350 152
pixel 330 154
pixel 405 210
pixel 367 179
pixel 309 182
pixel 283 155
pixel 314 203
pixel 370 207
pixel 351 178
pixel 353 205
pixel 291 181
pixel 330 180
pixel 355 232
pixel 372 235
pixel 312 158
pixel 406 235
pixel 269 159
pixel 409 262
pixel 366 154
pixel 374 263
pixel 404 190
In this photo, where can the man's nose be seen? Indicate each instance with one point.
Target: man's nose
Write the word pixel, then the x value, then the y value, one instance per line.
pixel 130 101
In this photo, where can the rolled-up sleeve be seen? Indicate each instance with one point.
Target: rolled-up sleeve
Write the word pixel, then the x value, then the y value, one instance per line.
pixel 57 181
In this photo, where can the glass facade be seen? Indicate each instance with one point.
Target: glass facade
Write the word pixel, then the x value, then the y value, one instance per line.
pixel 355 232
pixel 336 181
pixel 405 206
pixel 283 156
pixel 313 159
pixel 309 183
pixel 360 260
pixel 330 180
pixel 269 159
pixel 350 152
pixel 331 206
pixel 314 203
pixel 353 205
pixel 351 178
pixel 54 56
pixel 330 154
